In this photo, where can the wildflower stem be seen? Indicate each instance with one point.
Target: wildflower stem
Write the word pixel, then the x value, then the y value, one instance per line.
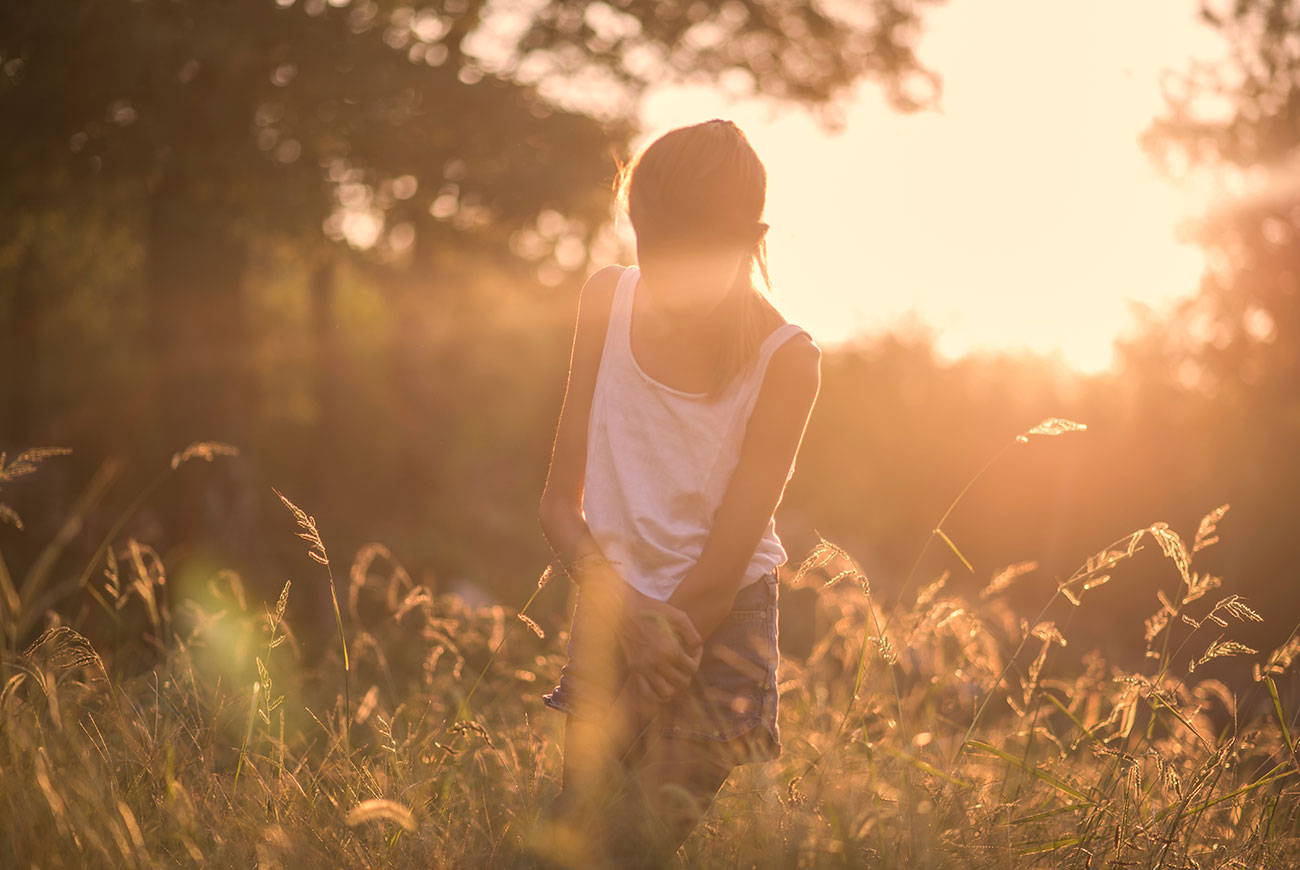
pixel 936 530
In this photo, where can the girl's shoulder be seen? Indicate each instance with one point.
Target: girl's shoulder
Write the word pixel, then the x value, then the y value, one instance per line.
pixel 596 298
pixel 773 319
pixel 798 355
pixel 605 279
pixel 595 307
pixel 798 351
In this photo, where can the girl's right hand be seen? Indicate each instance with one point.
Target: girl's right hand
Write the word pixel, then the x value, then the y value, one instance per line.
pixel 660 643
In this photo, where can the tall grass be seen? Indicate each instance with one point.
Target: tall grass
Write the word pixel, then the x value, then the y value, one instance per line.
pixel 948 730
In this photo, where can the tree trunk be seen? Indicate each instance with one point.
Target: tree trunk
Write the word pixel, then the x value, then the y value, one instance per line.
pixel 20 364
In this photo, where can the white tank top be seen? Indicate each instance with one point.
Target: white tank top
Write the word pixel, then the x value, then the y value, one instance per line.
pixel 659 460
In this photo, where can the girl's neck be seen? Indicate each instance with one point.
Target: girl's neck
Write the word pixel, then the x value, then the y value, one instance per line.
pixel 696 327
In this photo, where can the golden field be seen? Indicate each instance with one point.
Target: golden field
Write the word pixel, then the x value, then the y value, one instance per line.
pixel 939 731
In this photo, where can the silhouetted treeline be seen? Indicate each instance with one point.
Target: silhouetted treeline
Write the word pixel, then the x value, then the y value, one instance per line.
pixel 340 241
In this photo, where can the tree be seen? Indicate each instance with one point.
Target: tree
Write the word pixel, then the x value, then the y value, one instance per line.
pixel 376 134
pixel 1230 354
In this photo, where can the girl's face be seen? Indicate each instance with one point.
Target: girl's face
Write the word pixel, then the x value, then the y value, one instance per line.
pixel 687 282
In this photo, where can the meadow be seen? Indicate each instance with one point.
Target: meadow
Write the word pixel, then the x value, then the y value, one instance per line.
pixel 931 729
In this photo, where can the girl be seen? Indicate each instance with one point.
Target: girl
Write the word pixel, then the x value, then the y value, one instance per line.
pixel 687 400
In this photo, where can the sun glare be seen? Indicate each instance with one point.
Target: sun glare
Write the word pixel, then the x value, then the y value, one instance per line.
pixel 1020 215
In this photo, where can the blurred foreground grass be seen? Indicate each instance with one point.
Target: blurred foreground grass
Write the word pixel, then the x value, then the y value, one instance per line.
pixel 421 741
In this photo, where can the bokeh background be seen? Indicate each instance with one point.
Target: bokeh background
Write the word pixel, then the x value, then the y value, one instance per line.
pixel 347 238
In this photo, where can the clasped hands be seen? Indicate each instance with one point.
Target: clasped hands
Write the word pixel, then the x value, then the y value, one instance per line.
pixel 659 642
pixel 662 648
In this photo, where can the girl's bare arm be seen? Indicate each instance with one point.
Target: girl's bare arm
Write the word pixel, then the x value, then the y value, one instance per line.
pixel 560 511
pixel 658 639
pixel 771 443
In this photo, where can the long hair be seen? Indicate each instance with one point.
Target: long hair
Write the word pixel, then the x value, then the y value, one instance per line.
pixel 698 186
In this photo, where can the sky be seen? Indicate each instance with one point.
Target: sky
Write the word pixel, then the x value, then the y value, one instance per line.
pixel 1021 214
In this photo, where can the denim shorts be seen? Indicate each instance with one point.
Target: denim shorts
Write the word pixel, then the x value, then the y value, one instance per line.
pixel 731 701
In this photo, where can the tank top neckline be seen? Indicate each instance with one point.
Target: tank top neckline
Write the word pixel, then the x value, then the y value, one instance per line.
pixel 630 280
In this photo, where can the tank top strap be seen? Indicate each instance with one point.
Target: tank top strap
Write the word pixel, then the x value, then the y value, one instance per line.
pixel 775 339
pixel 752 384
pixel 620 311
pixel 623 292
